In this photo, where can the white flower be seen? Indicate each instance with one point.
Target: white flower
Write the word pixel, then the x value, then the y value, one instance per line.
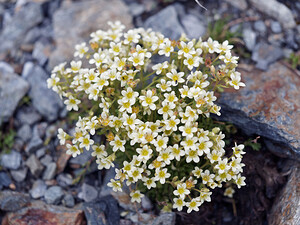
pixel 61 136
pixel 118 144
pixel 99 151
pixel 236 80
pixel 130 95
pixel 229 192
pixel 115 48
pixel 161 143
pixel 149 100
pixel 137 59
pixel 85 142
pixel 181 190
pixel 72 103
pixel 171 123
pixel 164 86
pixel 130 121
pixel 193 205
pixel 144 153
pixel 166 110
pixel 240 181
pixel 159 67
pixel 207 177
pixel 213 46
pixel 75 67
pixel 192 61
pixel 131 36
pixel 136 196
pixel 116 185
pixel 73 150
pixel 81 49
pixel 186 49
pixel 189 143
pixel 166 48
pixel 175 77
pixel 228 58
pixel 162 175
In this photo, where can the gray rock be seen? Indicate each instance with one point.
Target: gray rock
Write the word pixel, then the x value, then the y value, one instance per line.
pixel 249 37
pixel 194 28
pixel 146 203
pixel 38 189
pixel 27 115
pixel 275 27
pixel 13 201
pixel 5 180
pixel 35 143
pixel 290 39
pixel 64 179
pixel 46 160
pixel 165 219
pixel 12 160
pixel 6 67
pixel 24 133
pixel 88 193
pixel 265 54
pixel 50 171
pixel 171 26
pixel 75 20
pixel 19 175
pixel 82 158
pixel 68 201
pixel 104 211
pixel 105 190
pixel 240 4
pixel 41 152
pixel 267 106
pixel 44 100
pixel 41 52
pixel 136 9
pixel 260 26
pixel 12 90
pixel 54 195
pixel 23 20
pixel 276 10
pixel 34 165
pixel 32 35
pixel 27 68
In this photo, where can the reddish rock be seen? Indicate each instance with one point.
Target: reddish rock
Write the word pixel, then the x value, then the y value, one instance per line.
pixel 286 208
pixel 269 106
pixel 62 159
pixel 40 213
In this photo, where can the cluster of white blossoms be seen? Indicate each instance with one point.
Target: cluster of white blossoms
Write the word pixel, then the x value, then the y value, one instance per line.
pixel 152 114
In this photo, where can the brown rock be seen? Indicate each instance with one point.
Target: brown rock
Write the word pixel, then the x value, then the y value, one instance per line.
pixel 74 22
pixel 286 208
pixel 62 159
pixel 41 214
pixel 269 106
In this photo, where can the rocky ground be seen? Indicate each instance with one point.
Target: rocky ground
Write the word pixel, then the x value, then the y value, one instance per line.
pixel 39 182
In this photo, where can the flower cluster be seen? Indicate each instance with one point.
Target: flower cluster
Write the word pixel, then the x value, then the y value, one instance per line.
pixel 152 113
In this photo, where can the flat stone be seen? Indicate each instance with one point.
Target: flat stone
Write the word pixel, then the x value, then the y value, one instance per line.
pixel 50 171
pixel 267 106
pixel 249 37
pixel 63 158
pixel 103 211
pixel 27 115
pixel 34 165
pixel 38 189
pixel 88 193
pixel 193 26
pixel 44 100
pixel 13 201
pixel 171 28
pixel 24 133
pixel 240 4
pixel 35 143
pixel 286 208
pixel 146 203
pixel 64 179
pixel 12 160
pixel 41 52
pixel 19 175
pixel 265 54
pixel 275 27
pixel 82 158
pixel 165 219
pixel 276 10
pixel 136 9
pixel 12 90
pixel 5 180
pixel 68 201
pixel 260 26
pixel 23 20
pixel 46 160
pixel 54 195
pixel 41 213
pixel 6 67
pixel 41 152
pixel 74 21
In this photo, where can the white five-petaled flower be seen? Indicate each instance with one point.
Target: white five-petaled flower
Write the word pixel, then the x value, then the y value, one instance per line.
pixel 236 80
pixel 61 136
pixel 136 196
pixel 175 77
pixel 81 49
pixel 73 150
pixel 72 103
pixel 118 144
pixel 166 48
pixel 149 99
pixel 137 59
pixel 181 190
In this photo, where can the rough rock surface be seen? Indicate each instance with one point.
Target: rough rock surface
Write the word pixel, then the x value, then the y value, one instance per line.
pixel 44 100
pixel 286 208
pixel 276 10
pixel 74 22
pixel 12 90
pixel 12 201
pixel 44 214
pixel 13 33
pixel 172 28
pixel 267 106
